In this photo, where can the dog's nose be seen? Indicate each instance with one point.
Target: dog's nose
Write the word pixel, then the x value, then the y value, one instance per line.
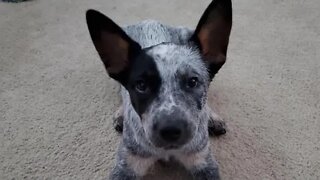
pixel 171 133
pixel 171 130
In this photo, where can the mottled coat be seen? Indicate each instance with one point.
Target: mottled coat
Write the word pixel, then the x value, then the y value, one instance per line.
pixel 165 73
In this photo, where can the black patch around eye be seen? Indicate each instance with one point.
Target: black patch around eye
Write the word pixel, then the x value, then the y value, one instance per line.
pixel 192 82
pixel 143 70
pixel 193 88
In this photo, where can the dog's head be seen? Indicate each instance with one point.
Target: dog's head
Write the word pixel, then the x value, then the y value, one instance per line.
pixel 167 83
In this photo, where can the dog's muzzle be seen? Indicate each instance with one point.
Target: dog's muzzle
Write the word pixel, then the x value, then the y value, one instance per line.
pixel 171 132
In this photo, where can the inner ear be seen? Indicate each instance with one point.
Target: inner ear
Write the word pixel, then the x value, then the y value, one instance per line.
pixel 213 39
pixel 115 48
pixel 212 34
pixel 114 52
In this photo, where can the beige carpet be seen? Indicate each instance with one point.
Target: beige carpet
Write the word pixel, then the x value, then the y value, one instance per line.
pixel 56 101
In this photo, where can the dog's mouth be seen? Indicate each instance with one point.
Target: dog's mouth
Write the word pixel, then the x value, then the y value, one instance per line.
pixel 170 147
pixel 166 146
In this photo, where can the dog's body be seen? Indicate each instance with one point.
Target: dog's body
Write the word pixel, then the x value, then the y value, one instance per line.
pixel 165 73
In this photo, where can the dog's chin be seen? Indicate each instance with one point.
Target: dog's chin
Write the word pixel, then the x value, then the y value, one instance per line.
pixel 167 146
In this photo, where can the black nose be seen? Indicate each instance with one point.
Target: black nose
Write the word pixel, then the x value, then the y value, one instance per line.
pixel 170 133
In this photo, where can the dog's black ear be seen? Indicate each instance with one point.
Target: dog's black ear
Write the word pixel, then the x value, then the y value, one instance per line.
pixel 114 46
pixel 212 34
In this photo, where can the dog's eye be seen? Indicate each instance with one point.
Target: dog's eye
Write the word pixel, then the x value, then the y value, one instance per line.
pixel 141 86
pixel 192 82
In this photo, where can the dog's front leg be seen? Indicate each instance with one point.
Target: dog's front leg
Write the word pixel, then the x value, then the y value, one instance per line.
pixel 122 172
pixel 216 125
pixel 209 171
pixel 130 166
pixel 118 119
pixel 201 165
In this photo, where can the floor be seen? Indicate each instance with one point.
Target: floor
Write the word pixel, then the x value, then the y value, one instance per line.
pixel 56 101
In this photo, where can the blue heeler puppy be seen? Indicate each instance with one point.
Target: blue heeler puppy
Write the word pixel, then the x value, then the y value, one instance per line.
pixel 165 74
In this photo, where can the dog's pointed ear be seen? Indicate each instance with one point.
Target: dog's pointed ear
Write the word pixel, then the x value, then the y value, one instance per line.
pixel 212 34
pixel 114 46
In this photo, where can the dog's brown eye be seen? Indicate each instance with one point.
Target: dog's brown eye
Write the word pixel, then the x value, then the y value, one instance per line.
pixel 141 86
pixel 192 82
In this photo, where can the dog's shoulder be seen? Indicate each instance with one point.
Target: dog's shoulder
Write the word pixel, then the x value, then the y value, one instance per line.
pixel 150 32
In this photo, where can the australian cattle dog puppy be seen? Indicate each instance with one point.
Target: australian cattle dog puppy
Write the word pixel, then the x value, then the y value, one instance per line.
pixel 165 74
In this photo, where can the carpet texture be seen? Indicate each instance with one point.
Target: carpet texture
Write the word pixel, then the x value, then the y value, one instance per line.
pixel 56 101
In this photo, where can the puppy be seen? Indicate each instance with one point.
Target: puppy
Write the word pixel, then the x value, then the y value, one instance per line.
pixel 164 74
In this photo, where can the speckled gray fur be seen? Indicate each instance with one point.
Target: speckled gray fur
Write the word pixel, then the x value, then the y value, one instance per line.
pixel 150 32
pixel 172 55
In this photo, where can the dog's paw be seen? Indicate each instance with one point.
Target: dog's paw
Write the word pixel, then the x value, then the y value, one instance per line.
pixel 118 120
pixel 118 124
pixel 217 127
